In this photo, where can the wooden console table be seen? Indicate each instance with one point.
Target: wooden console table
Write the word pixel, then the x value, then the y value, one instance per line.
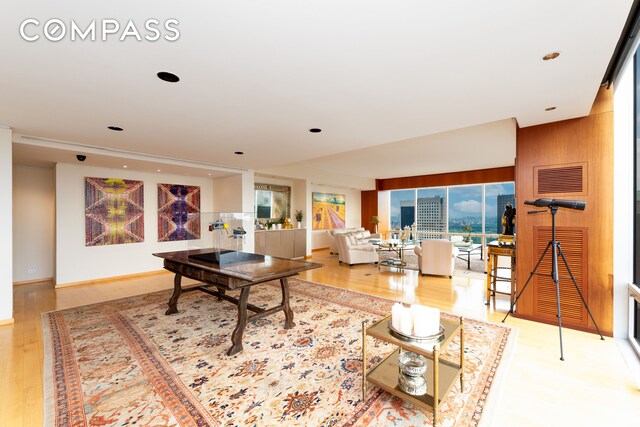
pixel 241 276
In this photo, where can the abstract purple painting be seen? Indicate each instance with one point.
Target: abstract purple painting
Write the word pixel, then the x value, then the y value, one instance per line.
pixel 178 212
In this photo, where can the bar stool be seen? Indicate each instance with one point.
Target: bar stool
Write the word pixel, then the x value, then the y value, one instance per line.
pixel 494 250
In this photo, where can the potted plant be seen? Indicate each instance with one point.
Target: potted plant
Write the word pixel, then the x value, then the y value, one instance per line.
pixel 299 217
pixel 467 229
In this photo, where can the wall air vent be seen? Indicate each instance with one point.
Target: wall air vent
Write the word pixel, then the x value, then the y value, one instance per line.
pixel 560 180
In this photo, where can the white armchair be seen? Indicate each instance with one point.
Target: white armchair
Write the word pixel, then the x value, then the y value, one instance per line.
pixel 352 252
pixel 436 257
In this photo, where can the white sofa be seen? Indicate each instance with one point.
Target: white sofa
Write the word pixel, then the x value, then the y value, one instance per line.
pixel 363 236
pixel 436 256
pixel 350 251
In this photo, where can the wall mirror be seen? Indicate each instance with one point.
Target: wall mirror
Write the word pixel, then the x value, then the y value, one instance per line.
pixel 272 201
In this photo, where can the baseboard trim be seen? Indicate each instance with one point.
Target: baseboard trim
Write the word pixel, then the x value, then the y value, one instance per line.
pixel 31 282
pixel 113 279
pixel 6 322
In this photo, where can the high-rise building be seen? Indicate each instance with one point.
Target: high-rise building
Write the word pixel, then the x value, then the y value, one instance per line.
pixel 503 199
pixel 432 214
pixel 407 213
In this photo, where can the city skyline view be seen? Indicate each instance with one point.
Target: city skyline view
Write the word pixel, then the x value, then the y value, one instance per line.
pixel 463 205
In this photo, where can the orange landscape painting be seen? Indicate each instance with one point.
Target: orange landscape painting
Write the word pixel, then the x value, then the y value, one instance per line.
pixel 328 211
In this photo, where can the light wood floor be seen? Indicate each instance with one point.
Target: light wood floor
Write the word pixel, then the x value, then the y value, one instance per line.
pixel 592 387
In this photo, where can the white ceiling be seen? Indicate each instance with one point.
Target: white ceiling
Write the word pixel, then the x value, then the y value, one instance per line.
pixel 378 77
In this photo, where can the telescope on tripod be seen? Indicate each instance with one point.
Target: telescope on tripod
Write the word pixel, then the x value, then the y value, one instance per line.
pixel 569 204
pixel 553 205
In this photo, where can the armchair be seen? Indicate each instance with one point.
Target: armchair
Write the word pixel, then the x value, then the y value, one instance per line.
pixel 351 252
pixel 436 257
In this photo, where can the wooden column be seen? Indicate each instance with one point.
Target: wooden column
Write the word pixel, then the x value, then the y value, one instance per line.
pixel 368 208
pixel 568 160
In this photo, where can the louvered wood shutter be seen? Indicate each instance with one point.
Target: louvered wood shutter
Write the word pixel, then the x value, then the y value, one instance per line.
pixel 573 242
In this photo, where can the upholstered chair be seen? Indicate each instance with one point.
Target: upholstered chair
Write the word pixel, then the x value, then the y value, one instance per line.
pixel 436 256
pixel 352 252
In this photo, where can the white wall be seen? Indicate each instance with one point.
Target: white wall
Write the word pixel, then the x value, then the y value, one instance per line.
pixel 236 194
pixel 623 178
pixel 320 238
pixel 34 213
pixel 227 195
pixel 6 219
pixel 76 262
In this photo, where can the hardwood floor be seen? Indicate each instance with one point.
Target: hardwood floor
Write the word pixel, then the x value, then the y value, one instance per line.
pixel 592 387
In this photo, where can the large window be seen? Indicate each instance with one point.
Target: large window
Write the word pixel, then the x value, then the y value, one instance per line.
pixel 496 197
pixel 636 190
pixel 466 210
pixel 403 204
pixel 431 212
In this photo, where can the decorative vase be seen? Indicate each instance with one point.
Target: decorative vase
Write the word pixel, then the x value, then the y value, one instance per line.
pixel 299 224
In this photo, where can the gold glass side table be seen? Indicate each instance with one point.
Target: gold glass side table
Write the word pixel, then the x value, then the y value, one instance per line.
pixel 396 247
pixel 440 375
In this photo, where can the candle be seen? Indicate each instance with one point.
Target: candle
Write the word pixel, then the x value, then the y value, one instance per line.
pixel 395 315
pixel 406 322
pixel 426 320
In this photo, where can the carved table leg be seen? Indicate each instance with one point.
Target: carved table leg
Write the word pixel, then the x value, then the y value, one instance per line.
pixel 236 337
pixel 288 313
pixel 177 290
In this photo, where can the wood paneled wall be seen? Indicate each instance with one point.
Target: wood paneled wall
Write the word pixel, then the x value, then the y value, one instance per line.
pixel 587 142
pixel 477 176
pixel 368 208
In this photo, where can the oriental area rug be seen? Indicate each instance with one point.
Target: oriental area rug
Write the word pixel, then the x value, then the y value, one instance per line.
pixel 125 363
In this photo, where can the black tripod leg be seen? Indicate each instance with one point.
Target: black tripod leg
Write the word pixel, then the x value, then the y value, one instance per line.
pixel 527 282
pixel 556 281
pixel 573 279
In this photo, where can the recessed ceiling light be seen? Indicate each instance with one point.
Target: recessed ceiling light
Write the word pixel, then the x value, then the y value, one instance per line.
pixel 549 56
pixel 168 77
pixel 239 153
pixel 125 166
pixel 116 128
pixel 157 170
pixel 549 108
pixel 315 130
pixel 209 174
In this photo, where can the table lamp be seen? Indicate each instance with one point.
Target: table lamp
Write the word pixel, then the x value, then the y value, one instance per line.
pixel 375 220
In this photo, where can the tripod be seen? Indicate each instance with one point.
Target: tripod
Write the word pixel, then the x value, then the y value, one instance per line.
pixel 555 250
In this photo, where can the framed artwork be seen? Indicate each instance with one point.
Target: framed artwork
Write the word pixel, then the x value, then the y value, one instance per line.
pixel 178 212
pixel 272 201
pixel 328 211
pixel 114 211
